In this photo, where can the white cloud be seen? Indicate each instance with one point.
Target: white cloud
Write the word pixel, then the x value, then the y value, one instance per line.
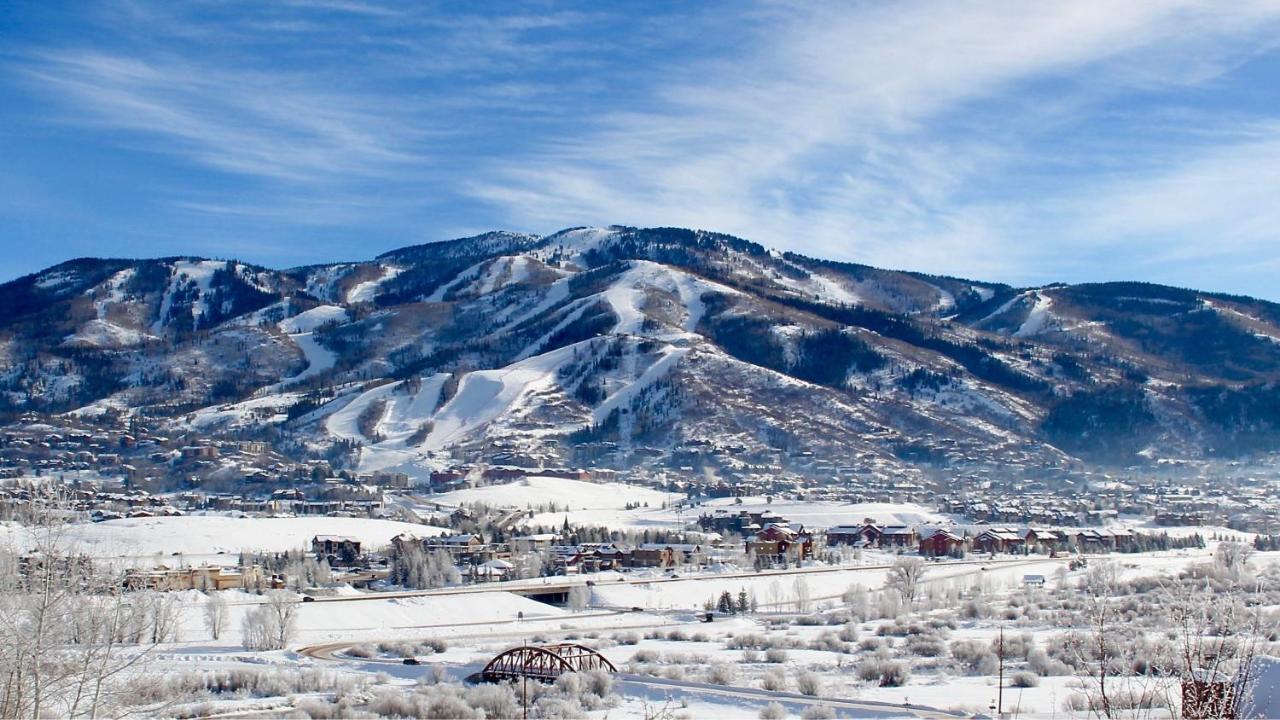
pixel 835 129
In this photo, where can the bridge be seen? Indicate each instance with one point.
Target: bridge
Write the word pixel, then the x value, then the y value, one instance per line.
pixel 545 662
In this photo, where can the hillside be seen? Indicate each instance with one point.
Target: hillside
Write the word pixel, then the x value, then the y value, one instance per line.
pixel 623 347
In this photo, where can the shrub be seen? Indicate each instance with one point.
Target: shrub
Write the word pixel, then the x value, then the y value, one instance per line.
pixel 775 655
pixel 975 657
pixel 721 674
pixel 885 673
pixel 1041 664
pixel 827 641
pixel 750 656
pixel 818 712
pixel 924 646
pixel 808 683
pixel 774 681
pixel 1024 680
pixel 626 638
pixel 496 701
pixel 848 632
pixel 773 711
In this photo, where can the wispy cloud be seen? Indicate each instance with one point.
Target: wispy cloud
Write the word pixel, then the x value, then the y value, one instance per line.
pixel 275 126
pixel 860 131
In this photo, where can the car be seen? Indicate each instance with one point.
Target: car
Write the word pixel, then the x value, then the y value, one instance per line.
pixel 411 661
pixel 308 598
pixel 637 609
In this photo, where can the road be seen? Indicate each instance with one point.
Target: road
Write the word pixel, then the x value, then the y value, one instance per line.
pixel 794 702
pixel 540 586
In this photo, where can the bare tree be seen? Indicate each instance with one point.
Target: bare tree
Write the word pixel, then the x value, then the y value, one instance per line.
pixel 270 626
pixel 70 635
pixel 215 614
pixel 904 577
pixel 579 598
pixel 1233 557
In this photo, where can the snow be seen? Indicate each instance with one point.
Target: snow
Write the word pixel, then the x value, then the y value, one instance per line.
pixel 503 272
pixel 322 281
pixel 184 272
pixel 464 276
pixel 55 280
pixel 309 320
pixel 622 397
pixel 555 295
pixel 204 537
pixel 245 411
pixel 1038 318
pixel 487 394
pixel 366 291
pixel 578 494
pixel 401 418
pixel 319 358
pixel 101 333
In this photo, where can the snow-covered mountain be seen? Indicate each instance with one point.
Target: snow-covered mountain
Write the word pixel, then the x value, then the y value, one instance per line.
pixel 622 346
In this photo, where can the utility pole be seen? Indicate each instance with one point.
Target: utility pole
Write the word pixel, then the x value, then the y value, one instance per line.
pixel 1000 686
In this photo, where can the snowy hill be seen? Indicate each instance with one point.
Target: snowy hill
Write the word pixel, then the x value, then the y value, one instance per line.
pixel 618 347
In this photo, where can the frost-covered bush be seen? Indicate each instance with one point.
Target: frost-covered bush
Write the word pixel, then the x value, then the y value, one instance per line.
pixel 808 683
pixel 495 701
pixel 827 641
pixel 974 657
pixel 926 646
pixel 818 712
pixel 645 656
pixel 750 656
pixel 1041 664
pixel 775 655
pixel 885 673
pixel 626 638
pixel 774 681
pixel 721 674
pixel 848 632
pixel 773 711
pixel 1024 680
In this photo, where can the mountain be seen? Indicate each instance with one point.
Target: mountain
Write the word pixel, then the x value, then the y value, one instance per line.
pixel 625 347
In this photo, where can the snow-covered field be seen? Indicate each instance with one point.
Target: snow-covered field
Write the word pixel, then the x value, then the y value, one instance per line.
pixel 669 658
pixel 817 514
pixel 575 495
pixel 200 538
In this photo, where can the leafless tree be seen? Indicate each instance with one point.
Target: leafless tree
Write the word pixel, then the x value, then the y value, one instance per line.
pixel 71 636
pixel 904 577
pixel 579 598
pixel 215 614
pixel 270 626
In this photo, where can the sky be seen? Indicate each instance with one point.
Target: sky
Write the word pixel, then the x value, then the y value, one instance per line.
pixel 1017 141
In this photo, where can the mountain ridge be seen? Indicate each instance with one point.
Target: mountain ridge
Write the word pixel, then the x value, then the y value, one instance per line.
pixel 615 347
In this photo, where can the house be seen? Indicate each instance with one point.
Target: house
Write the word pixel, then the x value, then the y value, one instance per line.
pixel 940 543
pixel 997 540
pixel 845 535
pixel 1033 581
pixel 533 543
pixel 666 555
pixel 1042 539
pixel 335 547
pixel 897 536
pixel 204 578
pixel 780 544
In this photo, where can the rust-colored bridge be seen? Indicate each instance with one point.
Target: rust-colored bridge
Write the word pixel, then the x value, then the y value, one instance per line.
pixel 544 662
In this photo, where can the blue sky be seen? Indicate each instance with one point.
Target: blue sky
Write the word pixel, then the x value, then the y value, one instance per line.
pixel 1017 141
